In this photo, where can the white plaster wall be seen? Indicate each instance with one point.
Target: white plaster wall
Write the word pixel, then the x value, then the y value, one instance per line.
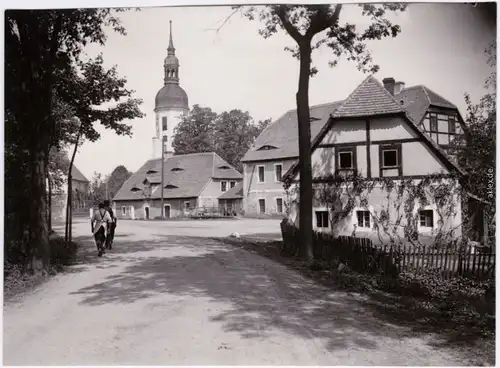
pixel 174 117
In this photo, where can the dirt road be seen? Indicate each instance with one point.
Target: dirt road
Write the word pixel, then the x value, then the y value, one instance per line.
pixel 164 298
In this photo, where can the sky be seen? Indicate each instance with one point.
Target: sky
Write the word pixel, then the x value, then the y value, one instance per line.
pixel 441 46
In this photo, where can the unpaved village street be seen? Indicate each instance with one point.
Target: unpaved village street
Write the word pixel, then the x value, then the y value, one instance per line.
pixel 170 295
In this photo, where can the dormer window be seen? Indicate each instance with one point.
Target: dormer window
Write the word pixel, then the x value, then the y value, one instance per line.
pixel 177 169
pixel 224 167
pixel 135 189
pixel 171 186
pixel 267 147
pixel 150 172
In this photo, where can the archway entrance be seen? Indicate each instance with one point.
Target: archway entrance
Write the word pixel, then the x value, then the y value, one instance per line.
pixel 146 213
pixel 166 211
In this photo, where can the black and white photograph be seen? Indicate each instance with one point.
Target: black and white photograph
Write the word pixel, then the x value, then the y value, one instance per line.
pixel 233 184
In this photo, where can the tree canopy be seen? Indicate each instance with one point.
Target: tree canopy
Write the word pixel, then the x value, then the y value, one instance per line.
pixel 116 179
pixel 313 27
pixel 49 82
pixel 230 134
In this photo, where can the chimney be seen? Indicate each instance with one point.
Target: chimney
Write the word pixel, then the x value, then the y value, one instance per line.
pixel 389 84
pixel 398 87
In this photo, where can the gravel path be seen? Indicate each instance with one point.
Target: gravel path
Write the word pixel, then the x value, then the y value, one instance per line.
pixel 161 299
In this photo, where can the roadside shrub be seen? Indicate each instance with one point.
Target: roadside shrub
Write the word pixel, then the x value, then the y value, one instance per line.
pixel 60 253
pixel 430 283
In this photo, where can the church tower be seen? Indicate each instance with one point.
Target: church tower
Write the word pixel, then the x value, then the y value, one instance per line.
pixel 171 103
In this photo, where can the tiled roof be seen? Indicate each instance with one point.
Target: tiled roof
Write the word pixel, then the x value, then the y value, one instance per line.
pixel 198 168
pixel 77 175
pixel 235 192
pixel 417 99
pixel 283 134
pixel 359 104
pixel 368 99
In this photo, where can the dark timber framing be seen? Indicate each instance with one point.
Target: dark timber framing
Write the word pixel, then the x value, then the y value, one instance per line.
pixel 363 143
pixel 368 149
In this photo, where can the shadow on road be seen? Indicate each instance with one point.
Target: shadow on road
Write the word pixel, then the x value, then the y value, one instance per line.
pixel 260 295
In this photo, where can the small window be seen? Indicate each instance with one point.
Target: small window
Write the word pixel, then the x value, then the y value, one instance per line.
pixel 322 219
pixel 434 123
pixel 278 169
pixel 363 218
pixel 232 184
pixel 345 160
pixel 451 125
pixel 164 123
pixel 261 174
pixel 262 205
pixel 124 210
pixel 427 218
pixel 279 205
pixel 223 186
pixel 389 158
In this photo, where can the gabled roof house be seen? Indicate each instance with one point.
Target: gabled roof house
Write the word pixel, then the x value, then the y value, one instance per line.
pixel 190 181
pixel 401 116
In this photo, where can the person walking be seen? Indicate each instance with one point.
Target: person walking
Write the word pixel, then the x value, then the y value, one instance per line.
pixel 98 224
pixel 110 235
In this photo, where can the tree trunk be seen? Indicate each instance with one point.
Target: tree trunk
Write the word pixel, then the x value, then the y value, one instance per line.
pixel 305 170
pixel 39 234
pixel 49 203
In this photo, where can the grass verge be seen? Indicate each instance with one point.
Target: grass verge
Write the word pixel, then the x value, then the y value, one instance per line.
pixel 459 324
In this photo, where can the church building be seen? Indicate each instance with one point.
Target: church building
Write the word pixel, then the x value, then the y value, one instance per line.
pixel 189 181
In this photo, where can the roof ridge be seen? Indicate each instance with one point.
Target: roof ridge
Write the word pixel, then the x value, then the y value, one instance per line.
pixel 390 95
pixel 368 79
pixel 437 94
pixel 213 164
pixel 349 97
pixel 426 94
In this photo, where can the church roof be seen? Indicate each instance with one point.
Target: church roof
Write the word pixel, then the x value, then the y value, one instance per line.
pixel 171 95
pixel 185 176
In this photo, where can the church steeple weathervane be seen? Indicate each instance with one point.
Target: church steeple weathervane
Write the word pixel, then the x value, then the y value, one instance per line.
pixel 171 48
pixel 171 64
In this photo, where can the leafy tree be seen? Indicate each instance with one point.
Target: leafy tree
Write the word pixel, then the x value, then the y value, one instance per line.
pixel 116 179
pixel 195 131
pixel 476 153
pixel 229 134
pixel 97 188
pixel 234 134
pixel 43 67
pixel 311 27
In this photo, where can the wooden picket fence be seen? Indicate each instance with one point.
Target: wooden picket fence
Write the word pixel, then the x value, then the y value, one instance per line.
pixel 363 256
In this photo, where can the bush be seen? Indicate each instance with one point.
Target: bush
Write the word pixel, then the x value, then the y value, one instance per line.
pixel 430 283
pixel 61 254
